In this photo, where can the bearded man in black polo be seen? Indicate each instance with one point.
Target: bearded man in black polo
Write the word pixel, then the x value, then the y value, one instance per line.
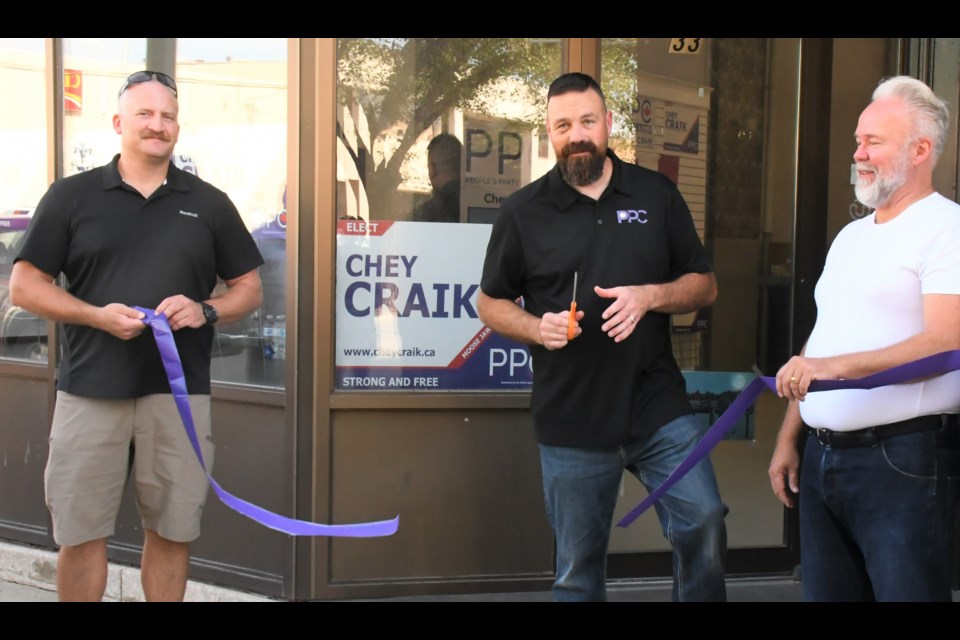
pixel 611 396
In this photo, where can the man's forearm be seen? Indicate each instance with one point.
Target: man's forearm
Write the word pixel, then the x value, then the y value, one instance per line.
pixel 242 296
pixel 687 293
pixel 941 332
pixel 35 292
pixel 509 319
pixel 865 363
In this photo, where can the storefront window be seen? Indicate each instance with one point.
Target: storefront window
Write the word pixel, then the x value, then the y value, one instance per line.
pixel 233 105
pixel 432 134
pixel 23 180
pixel 234 135
pixel 718 116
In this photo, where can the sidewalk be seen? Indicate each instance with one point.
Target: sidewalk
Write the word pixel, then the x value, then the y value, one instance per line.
pixel 28 574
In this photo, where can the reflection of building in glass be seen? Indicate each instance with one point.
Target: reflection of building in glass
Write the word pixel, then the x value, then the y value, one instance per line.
pixel 500 155
pixel 712 404
pixel 23 136
pixel 233 122
pixel 395 95
pixel 81 156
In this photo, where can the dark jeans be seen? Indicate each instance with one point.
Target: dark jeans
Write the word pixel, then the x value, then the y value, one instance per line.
pixel 581 487
pixel 875 522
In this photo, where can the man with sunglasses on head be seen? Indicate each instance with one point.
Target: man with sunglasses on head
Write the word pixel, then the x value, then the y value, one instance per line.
pixel 137 232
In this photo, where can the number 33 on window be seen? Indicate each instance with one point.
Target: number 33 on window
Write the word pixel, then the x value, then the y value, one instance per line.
pixel 685 45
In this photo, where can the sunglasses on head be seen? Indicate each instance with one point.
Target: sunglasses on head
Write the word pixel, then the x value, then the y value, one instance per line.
pixel 147 76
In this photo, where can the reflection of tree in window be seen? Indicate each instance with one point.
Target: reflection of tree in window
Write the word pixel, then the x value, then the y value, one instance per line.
pixel 621 91
pixel 395 89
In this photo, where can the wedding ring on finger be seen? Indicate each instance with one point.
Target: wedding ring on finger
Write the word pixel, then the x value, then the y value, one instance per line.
pixel 793 380
pixel 630 318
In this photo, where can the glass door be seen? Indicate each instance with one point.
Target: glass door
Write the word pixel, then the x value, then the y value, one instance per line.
pixel 719 117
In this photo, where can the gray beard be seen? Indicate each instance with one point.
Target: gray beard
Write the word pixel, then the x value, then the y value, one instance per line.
pixel 879 193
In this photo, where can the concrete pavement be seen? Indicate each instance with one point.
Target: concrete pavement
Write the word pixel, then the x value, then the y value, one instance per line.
pixel 28 574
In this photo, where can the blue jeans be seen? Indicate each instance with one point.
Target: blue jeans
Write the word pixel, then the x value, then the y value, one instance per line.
pixel 874 521
pixel 581 485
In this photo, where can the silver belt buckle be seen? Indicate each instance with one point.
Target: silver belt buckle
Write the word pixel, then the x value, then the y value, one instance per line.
pixel 823 436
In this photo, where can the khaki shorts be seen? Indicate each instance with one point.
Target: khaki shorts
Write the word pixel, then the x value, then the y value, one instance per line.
pixel 96 443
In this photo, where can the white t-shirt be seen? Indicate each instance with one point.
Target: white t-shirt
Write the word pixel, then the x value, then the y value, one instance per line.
pixel 870 296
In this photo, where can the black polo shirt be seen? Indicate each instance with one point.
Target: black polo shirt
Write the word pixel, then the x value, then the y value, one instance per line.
pixel 114 245
pixel 595 392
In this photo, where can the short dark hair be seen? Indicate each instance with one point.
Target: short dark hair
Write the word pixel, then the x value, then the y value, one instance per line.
pixel 444 150
pixel 575 81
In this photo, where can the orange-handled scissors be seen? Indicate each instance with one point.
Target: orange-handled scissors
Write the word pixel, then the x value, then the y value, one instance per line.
pixel 572 321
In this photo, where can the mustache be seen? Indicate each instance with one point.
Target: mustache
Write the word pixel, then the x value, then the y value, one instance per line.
pixel 579 147
pixel 154 134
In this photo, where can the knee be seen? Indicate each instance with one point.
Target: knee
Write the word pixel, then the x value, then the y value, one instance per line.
pixel 716 513
pixel 162 543
pixel 711 525
pixel 85 549
pixel 706 511
pixel 714 517
pixel 82 557
pixel 704 523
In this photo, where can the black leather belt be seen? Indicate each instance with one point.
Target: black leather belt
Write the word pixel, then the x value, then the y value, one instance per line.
pixel 871 436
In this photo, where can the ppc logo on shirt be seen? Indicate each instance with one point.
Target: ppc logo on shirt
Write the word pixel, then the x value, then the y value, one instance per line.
pixel 631 215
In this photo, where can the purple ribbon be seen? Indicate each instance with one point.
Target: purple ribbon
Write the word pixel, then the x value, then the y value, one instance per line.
pixel 178 386
pixel 934 365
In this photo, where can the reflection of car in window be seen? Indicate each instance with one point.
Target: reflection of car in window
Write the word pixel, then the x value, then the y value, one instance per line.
pixel 22 334
pixel 261 335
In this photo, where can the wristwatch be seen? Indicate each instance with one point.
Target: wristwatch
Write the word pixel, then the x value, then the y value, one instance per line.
pixel 209 313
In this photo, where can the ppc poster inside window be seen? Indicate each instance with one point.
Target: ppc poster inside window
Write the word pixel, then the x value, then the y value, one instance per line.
pixel 406 311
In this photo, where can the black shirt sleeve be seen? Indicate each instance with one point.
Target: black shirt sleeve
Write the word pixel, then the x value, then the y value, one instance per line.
pixel 503 268
pixel 237 251
pixel 47 239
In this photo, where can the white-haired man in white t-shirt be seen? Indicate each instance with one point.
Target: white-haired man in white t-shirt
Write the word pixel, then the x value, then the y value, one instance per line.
pixel 874 497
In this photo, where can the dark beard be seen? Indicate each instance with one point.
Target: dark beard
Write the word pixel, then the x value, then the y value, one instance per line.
pixel 578 172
